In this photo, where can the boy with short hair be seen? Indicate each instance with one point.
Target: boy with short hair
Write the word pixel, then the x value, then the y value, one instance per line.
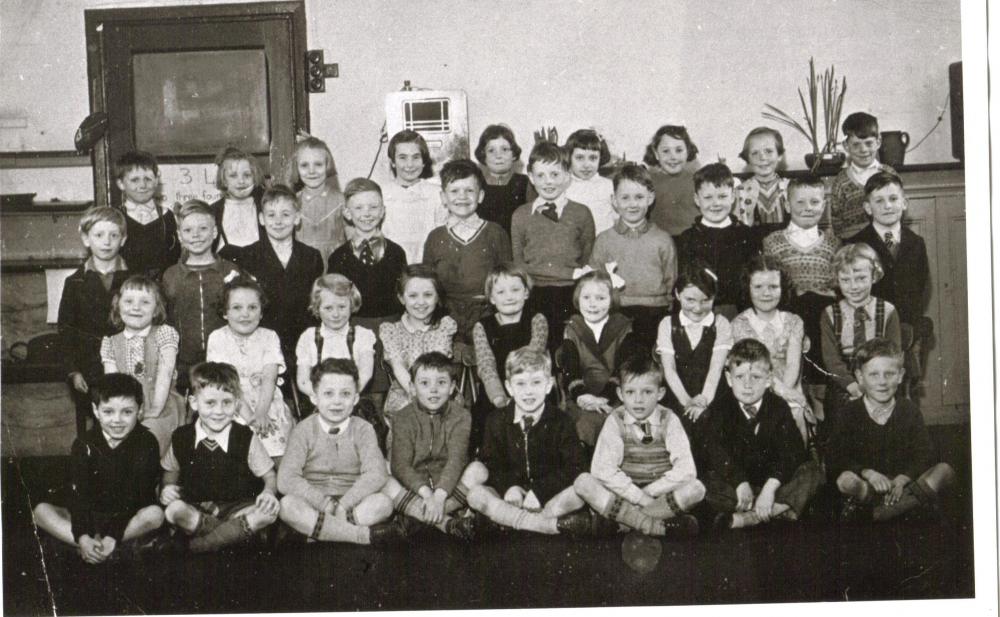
pixel 901 251
pixel 533 455
pixel 333 469
pixel 638 251
pixel 552 237
pixel 152 230
pixel 757 466
pixel 115 468
pixel 218 480
pixel 643 474
pixel 466 248
pixel 284 267
pixel 86 300
pixel 880 453
pixel 806 253
pixel 431 476
pixel 193 286
pixel 862 141
pixel 717 237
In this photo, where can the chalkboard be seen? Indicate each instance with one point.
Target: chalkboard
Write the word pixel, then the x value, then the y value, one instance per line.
pixel 197 102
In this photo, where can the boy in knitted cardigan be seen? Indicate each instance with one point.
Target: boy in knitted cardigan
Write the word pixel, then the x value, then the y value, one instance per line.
pixel 432 475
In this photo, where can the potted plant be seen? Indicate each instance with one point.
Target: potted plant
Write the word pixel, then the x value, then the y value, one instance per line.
pixel 824 157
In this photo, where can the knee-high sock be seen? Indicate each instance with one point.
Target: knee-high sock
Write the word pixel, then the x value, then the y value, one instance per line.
pixel 331 529
pixel 409 503
pixel 501 512
pixel 624 512
pixel 223 534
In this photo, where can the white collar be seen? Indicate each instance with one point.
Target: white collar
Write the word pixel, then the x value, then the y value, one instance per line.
pixel 149 206
pixel 896 230
pixel 756 406
pixel 117 442
pixel 879 415
pixel 520 415
pixel 795 230
pixel 222 438
pixel 598 327
pixel 654 419
pixel 330 333
pixel 141 333
pixel 872 168
pixel 719 225
pixel 705 321
pixel 472 222
pixel 759 324
pixel 326 426
pixel 560 203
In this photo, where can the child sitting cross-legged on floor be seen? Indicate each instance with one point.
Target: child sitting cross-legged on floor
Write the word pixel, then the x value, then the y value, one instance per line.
pixel 333 469
pixel 757 465
pixel 218 480
pixel 533 455
pixel 431 475
pixel 880 452
pixel 112 497
pixel 643 473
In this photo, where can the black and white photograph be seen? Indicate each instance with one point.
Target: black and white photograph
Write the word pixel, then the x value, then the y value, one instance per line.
pixel 384 305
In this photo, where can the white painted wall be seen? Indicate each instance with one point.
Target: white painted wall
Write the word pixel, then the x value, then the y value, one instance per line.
pixel 623 67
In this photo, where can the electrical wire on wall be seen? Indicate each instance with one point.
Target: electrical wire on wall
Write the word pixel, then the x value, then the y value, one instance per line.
pixel 944 108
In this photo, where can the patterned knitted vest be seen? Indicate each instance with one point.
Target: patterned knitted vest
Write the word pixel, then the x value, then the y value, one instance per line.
pixel 643 463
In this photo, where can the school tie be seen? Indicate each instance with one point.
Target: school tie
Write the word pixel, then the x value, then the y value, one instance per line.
pixel 333 431
pixel 890 243
pixel 209 443
pixel 367 255
pixel 750 411
pixel 647 434
pixel 528 423
pixel 860 316
pixel 549 211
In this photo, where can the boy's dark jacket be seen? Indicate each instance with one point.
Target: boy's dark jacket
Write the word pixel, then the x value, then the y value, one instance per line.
pixel 738 455
pixel 904 284
pixel 84 319
pixel 555 456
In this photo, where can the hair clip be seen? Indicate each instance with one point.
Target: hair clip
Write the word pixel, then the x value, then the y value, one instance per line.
pixel 711 274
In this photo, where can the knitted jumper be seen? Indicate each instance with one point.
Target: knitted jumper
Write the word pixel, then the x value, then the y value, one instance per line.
pixel 642 462
pixel 646 259
pixel 551 250
pixel 811 269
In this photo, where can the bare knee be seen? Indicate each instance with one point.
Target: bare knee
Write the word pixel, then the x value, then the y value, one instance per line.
pixel 174 508
pixel 696 490
pixel 584 484
pixel 257 519
pixel 478 497
pixel 846 480
pixel 475 473
pixel 150 515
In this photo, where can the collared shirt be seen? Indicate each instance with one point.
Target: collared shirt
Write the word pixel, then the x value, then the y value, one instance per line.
pixel 239 224
pixel 598 327
pixel 129 334
pixel 222 438
pixel 560 203
pixel 376 241
pixel 720 225
pixel 465 229
pixel 756 408
pixel 106 277
pixel 896 230
pixel 111 441
pixel 520 415
pixel 624 229
pixel 694 329
pixel 143 213
pixel 282 250
pixel 802 237
pixel 326 426
pixel 879 415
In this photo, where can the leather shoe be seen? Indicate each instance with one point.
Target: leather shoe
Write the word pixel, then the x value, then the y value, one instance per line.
pixel 577 523
pixel 681 525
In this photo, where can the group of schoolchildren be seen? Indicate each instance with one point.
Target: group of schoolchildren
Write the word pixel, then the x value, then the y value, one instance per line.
pixel 557 352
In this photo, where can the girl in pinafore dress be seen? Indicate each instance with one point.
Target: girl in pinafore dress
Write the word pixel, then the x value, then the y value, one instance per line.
pixel 256 354
pixel 146 349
